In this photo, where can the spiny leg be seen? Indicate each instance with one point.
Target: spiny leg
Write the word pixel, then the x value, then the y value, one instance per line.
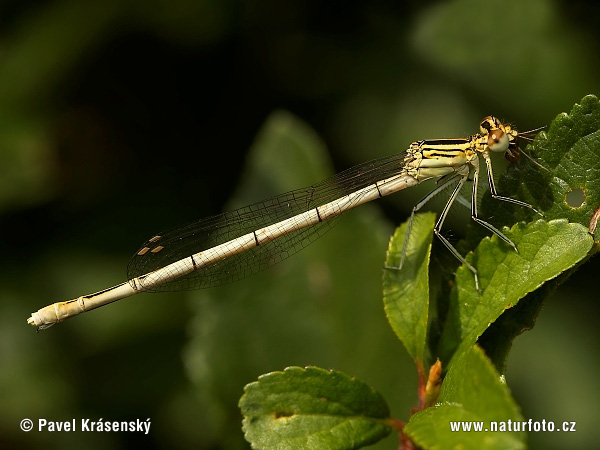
pixel 494 194
pixel 438 227
pixel 439 223
pixel 474 210
pixel 418 206
pixel 488 164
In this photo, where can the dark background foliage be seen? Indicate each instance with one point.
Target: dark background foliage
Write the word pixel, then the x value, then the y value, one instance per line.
pixel 122 118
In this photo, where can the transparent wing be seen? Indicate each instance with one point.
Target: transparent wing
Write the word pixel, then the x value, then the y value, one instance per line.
pixel 171 246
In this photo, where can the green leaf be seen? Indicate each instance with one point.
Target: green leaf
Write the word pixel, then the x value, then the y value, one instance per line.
pixel 472 392
pixel 406 291
pixel 572 152
pixel 546 249
pixel 497 340
pixel 312 408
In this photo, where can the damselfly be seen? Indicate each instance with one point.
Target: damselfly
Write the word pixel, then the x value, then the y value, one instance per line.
pixel 233 245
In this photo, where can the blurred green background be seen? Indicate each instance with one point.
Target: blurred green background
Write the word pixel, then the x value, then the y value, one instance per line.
pixel 119 119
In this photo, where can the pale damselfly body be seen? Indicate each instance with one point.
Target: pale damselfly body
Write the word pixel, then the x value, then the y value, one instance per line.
pixel 235 244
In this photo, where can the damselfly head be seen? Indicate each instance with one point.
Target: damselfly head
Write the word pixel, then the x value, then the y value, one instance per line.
pixel 499 137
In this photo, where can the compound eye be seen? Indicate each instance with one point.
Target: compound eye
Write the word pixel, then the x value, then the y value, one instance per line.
pixel 498 141
pixel 494 137
pixel 487 123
